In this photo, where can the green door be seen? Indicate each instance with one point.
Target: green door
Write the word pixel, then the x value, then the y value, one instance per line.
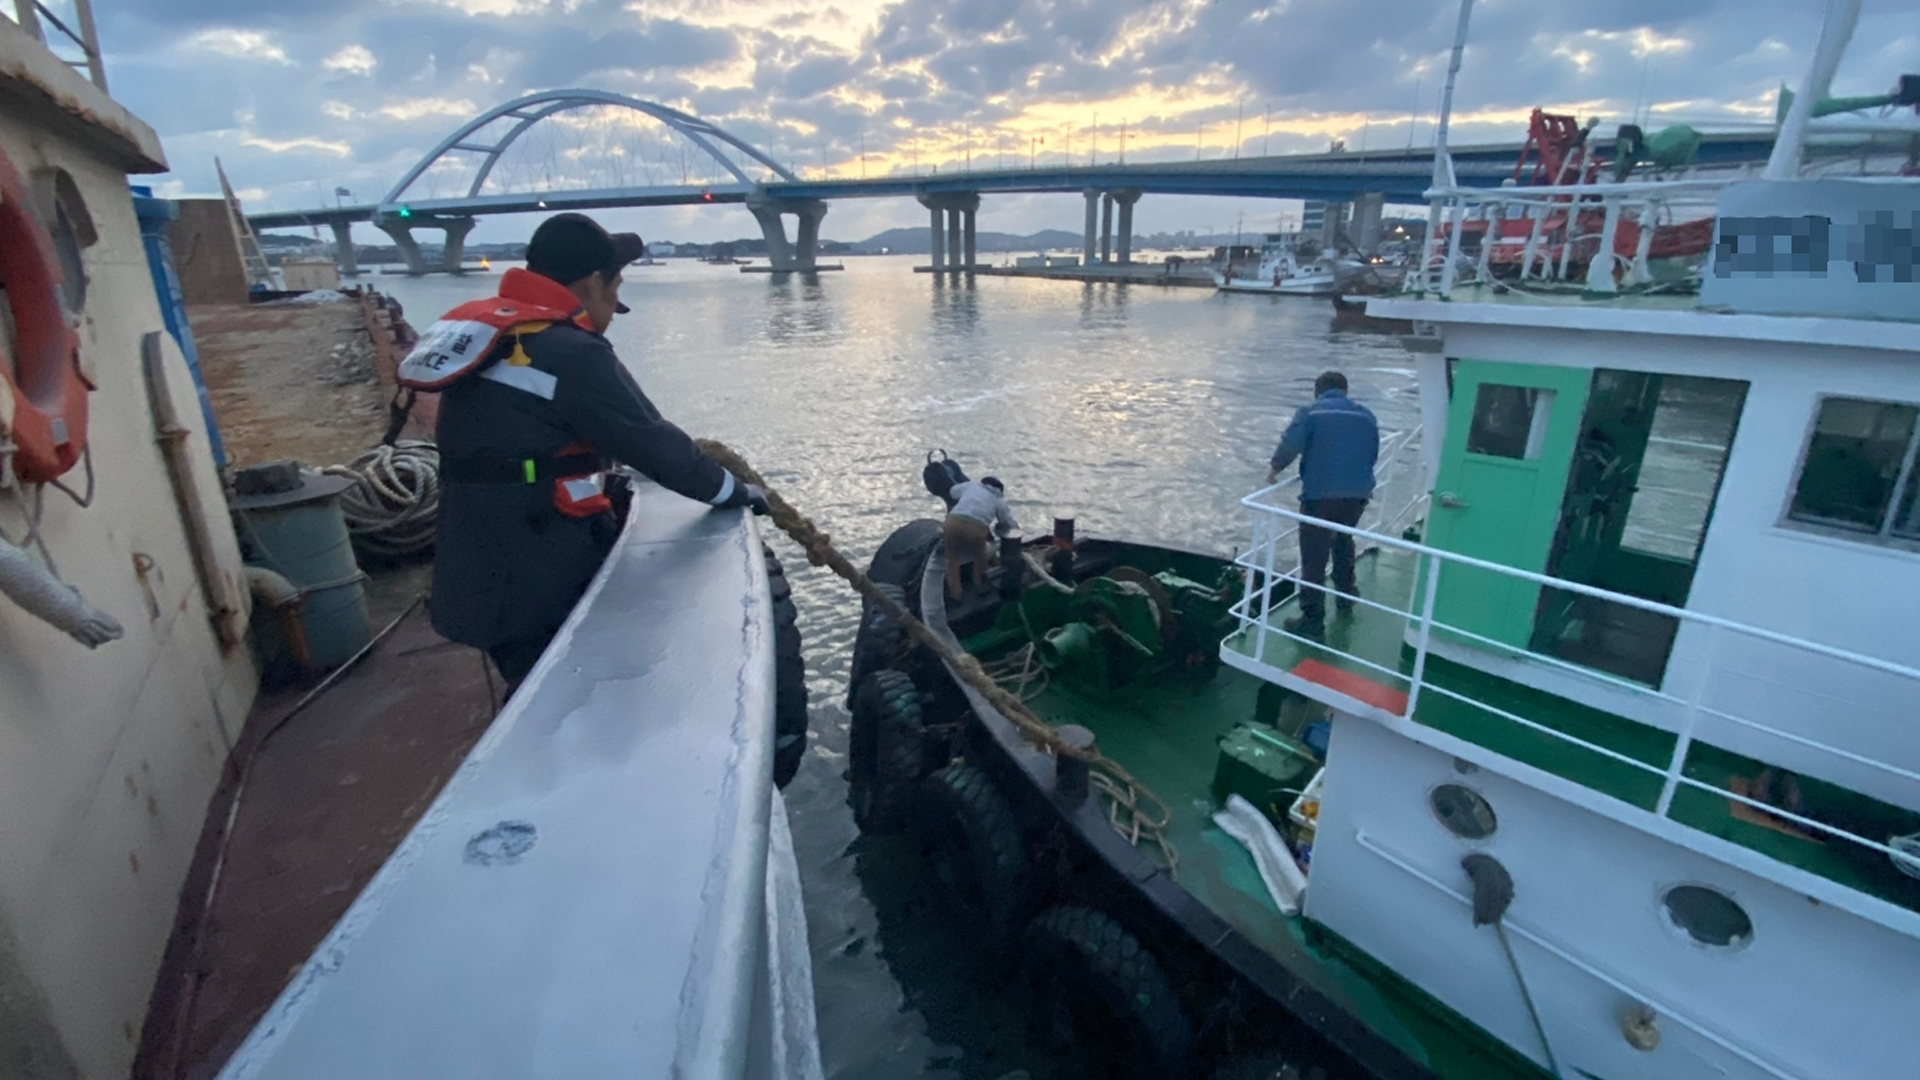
pixel 1511 430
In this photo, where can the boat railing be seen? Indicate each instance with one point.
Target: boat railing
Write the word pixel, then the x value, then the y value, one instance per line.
pixel 1644 203
pixel 1400 499
pixel 1263 639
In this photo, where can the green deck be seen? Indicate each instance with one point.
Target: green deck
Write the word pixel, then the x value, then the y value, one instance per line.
pixel 1165 734
pixel 1377 636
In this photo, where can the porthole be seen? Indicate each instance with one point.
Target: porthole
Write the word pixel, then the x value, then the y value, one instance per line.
pixel 1707 916
pixel 1463 811
pixel 70 226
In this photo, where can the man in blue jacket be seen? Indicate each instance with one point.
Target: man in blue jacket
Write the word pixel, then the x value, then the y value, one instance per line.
pixel 1337 441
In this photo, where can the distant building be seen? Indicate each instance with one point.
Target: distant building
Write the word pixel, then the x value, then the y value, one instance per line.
pixel 660 249
pixel 1323 221
pixel 306 273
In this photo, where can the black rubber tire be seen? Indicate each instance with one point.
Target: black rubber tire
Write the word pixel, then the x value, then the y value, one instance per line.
pixel 879 642
pixel 887 751
pixel 789 676
pixel 1101 996
pixel 1265 1065
pixel 903 555
pixel 973 840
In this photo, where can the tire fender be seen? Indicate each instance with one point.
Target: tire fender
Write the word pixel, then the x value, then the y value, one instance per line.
pixel 887 751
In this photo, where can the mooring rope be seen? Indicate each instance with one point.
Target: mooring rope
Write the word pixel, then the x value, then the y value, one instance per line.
pixel 1135 811
pixel 394 499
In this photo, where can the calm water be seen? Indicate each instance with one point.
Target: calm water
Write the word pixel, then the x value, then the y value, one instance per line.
pixel 1139 411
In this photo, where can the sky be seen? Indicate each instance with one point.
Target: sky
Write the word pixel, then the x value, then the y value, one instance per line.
pixel 300 97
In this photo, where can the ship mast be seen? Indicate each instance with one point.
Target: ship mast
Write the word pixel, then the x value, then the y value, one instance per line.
pixel 1835 31
pixel 1443 175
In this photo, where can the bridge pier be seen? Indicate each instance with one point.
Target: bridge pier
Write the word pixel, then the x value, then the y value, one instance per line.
pixel 401 230
pixel 1364 230
pixel 1106 228
pixel 456 245
pixel 1126 199
pixel 1093 223
pixel 784 257
pixel 343 252
pixel 951 234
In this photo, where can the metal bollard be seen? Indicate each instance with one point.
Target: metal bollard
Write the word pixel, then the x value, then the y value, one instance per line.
pixel 1060 563
pixel 1070 773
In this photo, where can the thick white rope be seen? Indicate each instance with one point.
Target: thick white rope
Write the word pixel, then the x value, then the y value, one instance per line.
pixel 395 498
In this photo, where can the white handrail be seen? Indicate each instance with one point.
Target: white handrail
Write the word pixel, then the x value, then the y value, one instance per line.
pixel 1255 608
pixel 1875 663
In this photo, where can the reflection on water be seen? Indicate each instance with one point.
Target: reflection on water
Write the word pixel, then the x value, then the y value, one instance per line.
pixel 1138 410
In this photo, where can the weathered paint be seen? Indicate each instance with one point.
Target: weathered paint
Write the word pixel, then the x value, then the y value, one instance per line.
pixel 46 91
pixel 107 757
pixel 604 888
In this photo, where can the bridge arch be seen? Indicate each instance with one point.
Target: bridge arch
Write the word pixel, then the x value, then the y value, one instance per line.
pixel 530 110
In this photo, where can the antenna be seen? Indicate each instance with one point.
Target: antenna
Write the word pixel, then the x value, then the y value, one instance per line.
pixel 1413 114
pixel 1640 96
pixel 1443 161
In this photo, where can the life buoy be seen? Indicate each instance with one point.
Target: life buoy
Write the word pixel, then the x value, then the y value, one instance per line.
pixel 48 423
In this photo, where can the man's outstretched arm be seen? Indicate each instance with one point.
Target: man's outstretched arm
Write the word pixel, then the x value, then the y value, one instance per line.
pixel 1291 445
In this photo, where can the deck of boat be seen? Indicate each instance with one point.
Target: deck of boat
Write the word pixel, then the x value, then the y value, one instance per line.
pixel 1360 645
pixel 1166 734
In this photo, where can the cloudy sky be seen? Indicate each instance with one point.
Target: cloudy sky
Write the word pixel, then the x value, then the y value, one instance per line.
pixel 298 97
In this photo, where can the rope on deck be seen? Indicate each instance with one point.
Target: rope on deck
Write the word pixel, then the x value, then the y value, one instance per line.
pixel 1133 809
pixel 395 497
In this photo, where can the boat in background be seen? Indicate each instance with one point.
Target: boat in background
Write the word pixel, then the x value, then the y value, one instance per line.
pixel 1281 271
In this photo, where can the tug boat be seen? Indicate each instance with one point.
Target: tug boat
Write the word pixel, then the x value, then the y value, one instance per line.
pixel 1607 772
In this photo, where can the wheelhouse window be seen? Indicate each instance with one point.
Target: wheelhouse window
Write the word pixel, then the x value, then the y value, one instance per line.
pixel 1509 421
pixel 1858 474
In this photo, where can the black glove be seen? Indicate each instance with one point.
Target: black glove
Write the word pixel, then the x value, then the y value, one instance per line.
pixel 751 496
pixel 757 499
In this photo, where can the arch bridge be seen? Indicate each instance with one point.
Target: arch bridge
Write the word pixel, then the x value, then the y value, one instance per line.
pixel 409 205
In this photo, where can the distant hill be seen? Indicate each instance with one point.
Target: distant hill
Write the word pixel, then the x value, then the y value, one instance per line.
pixel 917 241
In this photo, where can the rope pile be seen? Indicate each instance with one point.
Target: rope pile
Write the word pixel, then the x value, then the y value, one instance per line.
pixel 394 500
pixel 1135 811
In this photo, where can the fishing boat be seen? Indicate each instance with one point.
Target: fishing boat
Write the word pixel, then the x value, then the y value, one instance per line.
pixel 1281 271
pixel 1605 772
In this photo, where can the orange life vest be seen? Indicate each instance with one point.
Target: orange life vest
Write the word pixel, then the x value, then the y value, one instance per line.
pixel 463 340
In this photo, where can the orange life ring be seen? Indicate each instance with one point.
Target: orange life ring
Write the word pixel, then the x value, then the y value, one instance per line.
pixel 49 426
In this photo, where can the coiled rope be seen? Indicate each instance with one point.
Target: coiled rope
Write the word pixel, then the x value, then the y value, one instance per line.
pixel 1133 809
pixel 394 500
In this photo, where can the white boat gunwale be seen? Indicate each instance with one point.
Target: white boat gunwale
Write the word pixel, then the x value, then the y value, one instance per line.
pixel 675 714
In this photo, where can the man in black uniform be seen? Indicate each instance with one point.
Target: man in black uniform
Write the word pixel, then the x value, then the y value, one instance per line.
pixel 524 441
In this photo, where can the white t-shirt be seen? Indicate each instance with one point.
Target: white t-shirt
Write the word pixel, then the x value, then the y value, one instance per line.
pixel 978 502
